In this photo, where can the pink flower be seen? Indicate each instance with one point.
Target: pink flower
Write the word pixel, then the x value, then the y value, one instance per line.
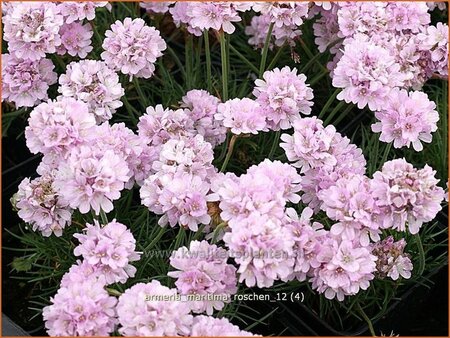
pixel 108 249
pixel 92 178
pixel 80 272
pixel 78 11
pixel 75 39
pixel 206 326
pixel 82 308
pixel 32 29
pixel 283 14
pixel 435 41
pixel 202 108
pixel 407 118
pixel 410 196
pixel 96 84
pixel 133 47
pixel 392 262
pixel 242 116
pixel 366 73
pixel 153 310
pixel 24 82
pixel 202 269
pixel 58 126
pixel 40 205
pixel 283 95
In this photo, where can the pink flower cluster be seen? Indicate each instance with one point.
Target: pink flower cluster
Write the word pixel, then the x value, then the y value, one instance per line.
pixel 78 11
pixel 202 269
pixel 25 82
pixel 285 17
pixel 283 95
pixel 40 205
pixel 159 7
pixel 254 205
pixel 81 309
pixel 392 262
pixel 109 249
pixel 75 39
pixel 132 47
pixel 406 118
pixel 322 155
pixel 96 84
pixel 200 16
pixel 143 311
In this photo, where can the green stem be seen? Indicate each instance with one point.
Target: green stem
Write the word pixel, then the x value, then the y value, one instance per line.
pixel 224 60
pixel 177 60
pixel 367 319
pixel 243 58
pixel 229 152
pixel 208 60
pixel 265 50
pixel 103 217
pixel 421 267
pixel 328 103
pixel 311 55
pixel 338 107
pixel 217 230
pixel 223 151
pixel 142 96
pixel 161 232
pixel 275 144
pixel 385 154
pixel 113 292
pixel 188 60
pixel 276 57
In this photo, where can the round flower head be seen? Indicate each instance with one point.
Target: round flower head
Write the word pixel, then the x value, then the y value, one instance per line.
pixel 326 30
pixel 283 95
pixel 78 11
pixel 409 196
pixel 160 7
pixel 132 47
pixel 39 204
pixel 32 29
pixel 152 310
pixel 96 84
pixel 76 39
pixel 434 40
pixel 242 116
pixel 25 82
pixel 202 269
pixel 283 13
pixel 345 268
pixel 407 118
pixel 58 126
pixel 108 248
pixel 82 308
pixel 206 326
pixel 366 73
pixel 202 108
pixel 92 178
pixel 79 272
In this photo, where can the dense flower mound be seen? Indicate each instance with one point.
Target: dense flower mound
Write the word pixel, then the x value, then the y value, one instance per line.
pixel 32 29
pixel 392 262
pixel 25 82
pixel 406 118
pixel 242 116
pixel 109 248
pixel 202 108
pixel 410 196
pixel 82 308
pixel 132 47
pixel 58 126
pixel 75 39
pixel 283 95
pixel 153 310
pixel 39 204
pixel 199 16
pixel 91 178
pixel 205 326
pixel 78 11
pixel 435 41
pixel 202 270
pixel 96 84
pixel 79 272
